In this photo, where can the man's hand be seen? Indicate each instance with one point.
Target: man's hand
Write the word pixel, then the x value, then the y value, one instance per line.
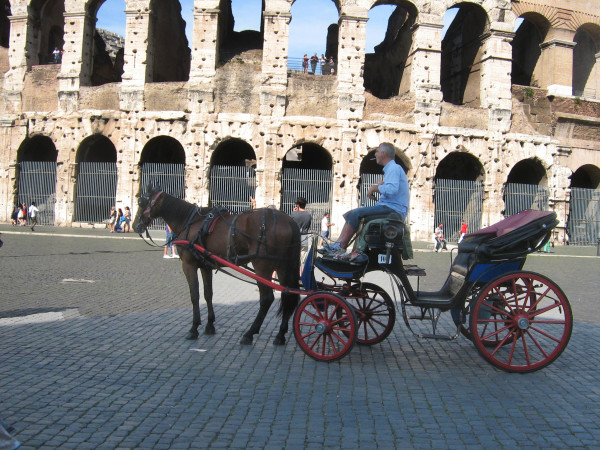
pixel 373 189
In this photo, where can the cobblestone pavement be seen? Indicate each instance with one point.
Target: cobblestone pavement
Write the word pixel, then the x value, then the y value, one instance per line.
pixel 93 355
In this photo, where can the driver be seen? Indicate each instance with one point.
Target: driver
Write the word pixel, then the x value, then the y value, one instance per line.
pixel 394 197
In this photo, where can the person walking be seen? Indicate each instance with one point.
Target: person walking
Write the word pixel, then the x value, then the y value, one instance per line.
pixel 304 220
pixel 305 64
pixel 127 220
pixel 438 235
pixel 112 219
pixel 33 214
pixel 326 229
pixel 463 231
pixel 171 236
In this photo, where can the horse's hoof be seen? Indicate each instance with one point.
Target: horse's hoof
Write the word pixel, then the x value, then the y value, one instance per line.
pixel 246 340
pixel 192 336
pixel 279 341
pixel 209 330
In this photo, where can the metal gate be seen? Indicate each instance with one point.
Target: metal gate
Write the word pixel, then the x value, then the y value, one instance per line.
pixel 518 197
pixel 455 201
pixel 584 216
pixel 170 178
pixel 232 187
pixel 312 184
pixel 366 181
pixel 95 192
pixel 37 183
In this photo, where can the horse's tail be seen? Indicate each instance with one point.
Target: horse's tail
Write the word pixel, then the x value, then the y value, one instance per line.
pixel 291 272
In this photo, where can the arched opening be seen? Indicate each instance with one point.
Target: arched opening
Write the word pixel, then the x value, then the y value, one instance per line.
pixel 108 46
pixel 526 50
pixel 583 222
pixel 585 70
pixel 307 172
pixel 372 173
pixel 36 176
pixel 232 182
pixel 458 194
pixel 162 164
pixel 47 21
pixel 171 57
pixel 462 51
pixel 241 29
pixel 526 187
pixel 314 30
pixel 96 174
pixel 384 70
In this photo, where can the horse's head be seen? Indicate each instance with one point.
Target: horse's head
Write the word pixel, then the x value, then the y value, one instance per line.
pixel 147 209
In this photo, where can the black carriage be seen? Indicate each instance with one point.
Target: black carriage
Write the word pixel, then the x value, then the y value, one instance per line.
pixel 519 321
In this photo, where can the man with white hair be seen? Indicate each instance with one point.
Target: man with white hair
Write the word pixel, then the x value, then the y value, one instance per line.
pixel 393 197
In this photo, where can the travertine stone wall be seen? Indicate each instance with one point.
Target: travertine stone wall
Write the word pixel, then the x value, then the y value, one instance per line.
pixel 260 103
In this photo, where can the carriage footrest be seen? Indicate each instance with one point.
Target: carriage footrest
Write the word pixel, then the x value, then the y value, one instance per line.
pixel 412 270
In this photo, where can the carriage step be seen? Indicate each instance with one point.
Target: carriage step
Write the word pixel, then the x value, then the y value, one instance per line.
pixel 412 270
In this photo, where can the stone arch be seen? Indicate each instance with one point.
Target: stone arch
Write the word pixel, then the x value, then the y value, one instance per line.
pixel 528 171
pixel 586 70
pixel 233 152
pixel 458 193
pixel 4 23
pixel 526 49
pixel 163 149
pixel 526 187
pixel 107 50
pixel 384 70
pixel 168 49
pixel 47 21
pixel 307 172
pixel 462 51
pixel 37 148
pixel 96 148
pixel 231 42
pixel 586 177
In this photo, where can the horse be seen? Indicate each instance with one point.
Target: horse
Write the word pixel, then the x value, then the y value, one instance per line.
pixel 265 237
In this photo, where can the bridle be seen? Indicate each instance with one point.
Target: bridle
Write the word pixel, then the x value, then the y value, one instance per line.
pixel 149 201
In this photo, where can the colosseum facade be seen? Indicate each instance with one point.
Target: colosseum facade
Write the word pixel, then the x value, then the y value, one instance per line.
pixel 508 96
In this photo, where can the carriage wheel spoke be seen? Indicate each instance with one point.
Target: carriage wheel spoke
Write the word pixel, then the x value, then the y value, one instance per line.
pixel 537 344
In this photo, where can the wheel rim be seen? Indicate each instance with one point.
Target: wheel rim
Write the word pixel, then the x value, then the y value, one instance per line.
pixel 375 313
pixel 325 326
pixel 521 322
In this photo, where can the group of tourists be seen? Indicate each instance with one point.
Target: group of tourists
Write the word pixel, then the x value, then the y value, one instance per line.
pixel 327 64
pixel 22 215
pixel 119 221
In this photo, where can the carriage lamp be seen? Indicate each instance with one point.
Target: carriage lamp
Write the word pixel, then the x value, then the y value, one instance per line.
pixel 390 232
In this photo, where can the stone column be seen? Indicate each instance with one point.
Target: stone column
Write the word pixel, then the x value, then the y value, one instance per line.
pixel 425 69
pixel 76 59
pixel 496 66
pixel 138 55
pixel 554 71
pixel 351 57
pixel 20 30
pixel 274 63
pixel 204 60
pixel 595 75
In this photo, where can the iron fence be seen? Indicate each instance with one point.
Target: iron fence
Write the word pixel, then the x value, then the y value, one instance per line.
pixel 457 201
pixel 366 181
pixel 37 183
pixel 95 191
pixel 170 178
pixel 519 197
pixel 312 184
pixel 294 65
pixel 232 187
pixel 584 216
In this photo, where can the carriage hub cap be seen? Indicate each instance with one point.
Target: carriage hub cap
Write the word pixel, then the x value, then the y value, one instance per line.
pixel 320 328
pixel 523 323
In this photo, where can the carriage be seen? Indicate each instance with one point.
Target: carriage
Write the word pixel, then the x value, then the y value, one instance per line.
pixel 519 321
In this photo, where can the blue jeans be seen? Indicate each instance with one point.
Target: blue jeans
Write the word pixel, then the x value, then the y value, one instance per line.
pixel 353 216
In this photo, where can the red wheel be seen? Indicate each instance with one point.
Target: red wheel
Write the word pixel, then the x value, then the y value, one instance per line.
pixel 521 322
pixel 493 340
pixel 325 326
pixel 375 312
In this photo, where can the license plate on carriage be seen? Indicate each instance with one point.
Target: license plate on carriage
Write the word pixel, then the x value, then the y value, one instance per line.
pixel 382 259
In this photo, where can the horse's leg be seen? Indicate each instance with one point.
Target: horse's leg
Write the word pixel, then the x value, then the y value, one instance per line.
pixel 266 300
pixel 191 274
pixel 208 295
pixel 288 302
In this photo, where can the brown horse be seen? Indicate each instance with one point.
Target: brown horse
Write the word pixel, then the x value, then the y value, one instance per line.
pixel 267 238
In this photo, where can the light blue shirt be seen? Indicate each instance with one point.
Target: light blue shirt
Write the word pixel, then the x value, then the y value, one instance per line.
pixel 394 191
